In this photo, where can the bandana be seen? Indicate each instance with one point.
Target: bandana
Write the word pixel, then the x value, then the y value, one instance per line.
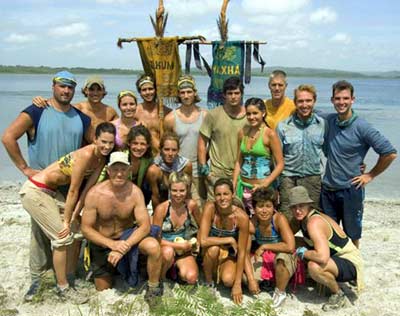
pixel 145 80
pixel 348 122
pixel 177 166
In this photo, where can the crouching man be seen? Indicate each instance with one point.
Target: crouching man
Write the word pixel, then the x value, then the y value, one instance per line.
pixel 116 223
pixel 331 255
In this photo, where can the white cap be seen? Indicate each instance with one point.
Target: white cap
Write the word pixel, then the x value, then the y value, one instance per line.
pixel 119 156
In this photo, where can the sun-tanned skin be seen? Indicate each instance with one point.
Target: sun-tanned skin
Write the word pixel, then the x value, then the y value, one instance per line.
pixel 112 207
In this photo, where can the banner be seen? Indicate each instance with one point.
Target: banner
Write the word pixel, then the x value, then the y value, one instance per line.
pixel 228 61
pixel 160 58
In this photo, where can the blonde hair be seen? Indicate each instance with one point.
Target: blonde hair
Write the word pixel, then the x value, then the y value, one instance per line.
pixel 305 87
pixel 179 177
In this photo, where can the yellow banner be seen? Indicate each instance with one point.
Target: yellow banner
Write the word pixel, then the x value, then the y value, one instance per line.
pixel 160 58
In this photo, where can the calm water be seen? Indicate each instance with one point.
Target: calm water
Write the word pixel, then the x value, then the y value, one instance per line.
pixel 378 101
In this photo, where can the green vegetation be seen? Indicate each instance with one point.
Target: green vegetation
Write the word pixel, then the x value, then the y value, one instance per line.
pixel 291 71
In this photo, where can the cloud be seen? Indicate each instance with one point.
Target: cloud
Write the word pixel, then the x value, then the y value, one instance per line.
pixel 77 28
pixel 190 8
pixel 323 15
pixel 76 46
pixel 15 38
pixel 273 7
pixel 341 38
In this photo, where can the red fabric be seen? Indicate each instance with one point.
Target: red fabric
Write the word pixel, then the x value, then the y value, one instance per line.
pixel 268 269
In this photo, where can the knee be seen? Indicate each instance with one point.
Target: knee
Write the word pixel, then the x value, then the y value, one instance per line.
pixel 314 269
pixel 228 279
pixel 151 247
pixel 167 253
pixel 191 276
pixel 212 252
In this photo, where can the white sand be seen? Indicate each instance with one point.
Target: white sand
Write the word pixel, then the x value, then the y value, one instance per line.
pixel 379 245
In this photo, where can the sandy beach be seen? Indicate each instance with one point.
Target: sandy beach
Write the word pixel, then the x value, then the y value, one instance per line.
pixel 379 246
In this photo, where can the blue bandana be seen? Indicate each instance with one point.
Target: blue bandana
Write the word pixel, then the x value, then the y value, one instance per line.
pixel 348 122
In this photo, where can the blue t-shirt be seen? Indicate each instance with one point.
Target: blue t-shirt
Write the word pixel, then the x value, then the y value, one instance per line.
pixel 56 134
pixel 346 148
pixel 302 145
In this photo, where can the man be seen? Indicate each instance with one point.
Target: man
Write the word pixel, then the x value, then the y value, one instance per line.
pixel 218 132
pixel 302 137
pixel 94 90
pixel 116 222
pixel 279 107
pixel 52 132
pixel 186 122
pixel 347 142
pixel 332 257
pixel 147 111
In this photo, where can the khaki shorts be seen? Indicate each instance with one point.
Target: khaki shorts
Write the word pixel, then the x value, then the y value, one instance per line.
pixel 45 210
pixel 288 259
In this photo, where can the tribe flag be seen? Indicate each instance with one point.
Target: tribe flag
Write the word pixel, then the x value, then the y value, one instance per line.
pixel 160 58
pixel 228 61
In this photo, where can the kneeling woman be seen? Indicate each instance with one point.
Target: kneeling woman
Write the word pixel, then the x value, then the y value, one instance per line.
pixel 41 199
pixel 274 244
pixel 178 217
pixel 224 234
pixel 167 162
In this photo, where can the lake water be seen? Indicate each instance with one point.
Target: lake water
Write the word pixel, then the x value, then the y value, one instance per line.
pixel 377 100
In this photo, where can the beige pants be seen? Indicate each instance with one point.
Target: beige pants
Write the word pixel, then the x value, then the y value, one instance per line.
pixel 289 260
pixel 45 211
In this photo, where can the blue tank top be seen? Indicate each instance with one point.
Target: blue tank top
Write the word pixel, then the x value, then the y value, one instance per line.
pixel 273 239
pixel 56 134
pixel 255 160
pixel 219 232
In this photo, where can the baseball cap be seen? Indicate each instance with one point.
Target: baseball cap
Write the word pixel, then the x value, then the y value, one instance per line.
pixel 91 80
pixel 65 77
pixel 119 156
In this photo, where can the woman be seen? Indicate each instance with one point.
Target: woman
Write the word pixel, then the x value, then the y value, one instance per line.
pixel 178 218
pixel 224 234
pixel 39 195
pixel 273 244
pixel 167 162
pixel 127 103
pixel 258 148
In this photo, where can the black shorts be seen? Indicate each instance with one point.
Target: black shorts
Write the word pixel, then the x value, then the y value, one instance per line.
pixel 99 261
pixel 347 270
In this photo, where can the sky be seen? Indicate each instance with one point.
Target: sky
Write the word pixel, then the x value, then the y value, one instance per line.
pixel 353 35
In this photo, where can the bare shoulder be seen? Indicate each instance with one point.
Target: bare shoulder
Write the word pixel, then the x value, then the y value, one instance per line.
pixel 241 215
pixel 111 113
pixel 81 105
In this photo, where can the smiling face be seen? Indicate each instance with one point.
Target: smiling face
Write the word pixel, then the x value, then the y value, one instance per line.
pixel 105 143
pixel 223 196
pixel 304 102
pixel 169 151
pixel 127 105
pixel 178 192
pixel 264 210
pixel 342 100
pixel 95 93
pixel 138 146
pixel 148 92
pixel 254 115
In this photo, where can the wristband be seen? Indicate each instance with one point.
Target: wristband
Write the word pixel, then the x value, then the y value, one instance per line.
pixel 204 170
pixel 300 252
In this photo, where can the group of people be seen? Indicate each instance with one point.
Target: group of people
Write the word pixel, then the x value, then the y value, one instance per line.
pixel 228 188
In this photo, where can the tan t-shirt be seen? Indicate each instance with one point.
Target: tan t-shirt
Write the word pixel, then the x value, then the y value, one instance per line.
pixel 277 114
pixel 222 132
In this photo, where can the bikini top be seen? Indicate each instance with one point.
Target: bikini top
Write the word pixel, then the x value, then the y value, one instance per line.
pixel 335 241
pixel 118 139
pixel 219 232
pixel 66 164
pixel 255 160
pixel 273 239
pixel 185 231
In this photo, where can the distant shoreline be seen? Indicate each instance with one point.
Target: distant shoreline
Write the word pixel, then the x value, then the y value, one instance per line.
pixel 291 71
